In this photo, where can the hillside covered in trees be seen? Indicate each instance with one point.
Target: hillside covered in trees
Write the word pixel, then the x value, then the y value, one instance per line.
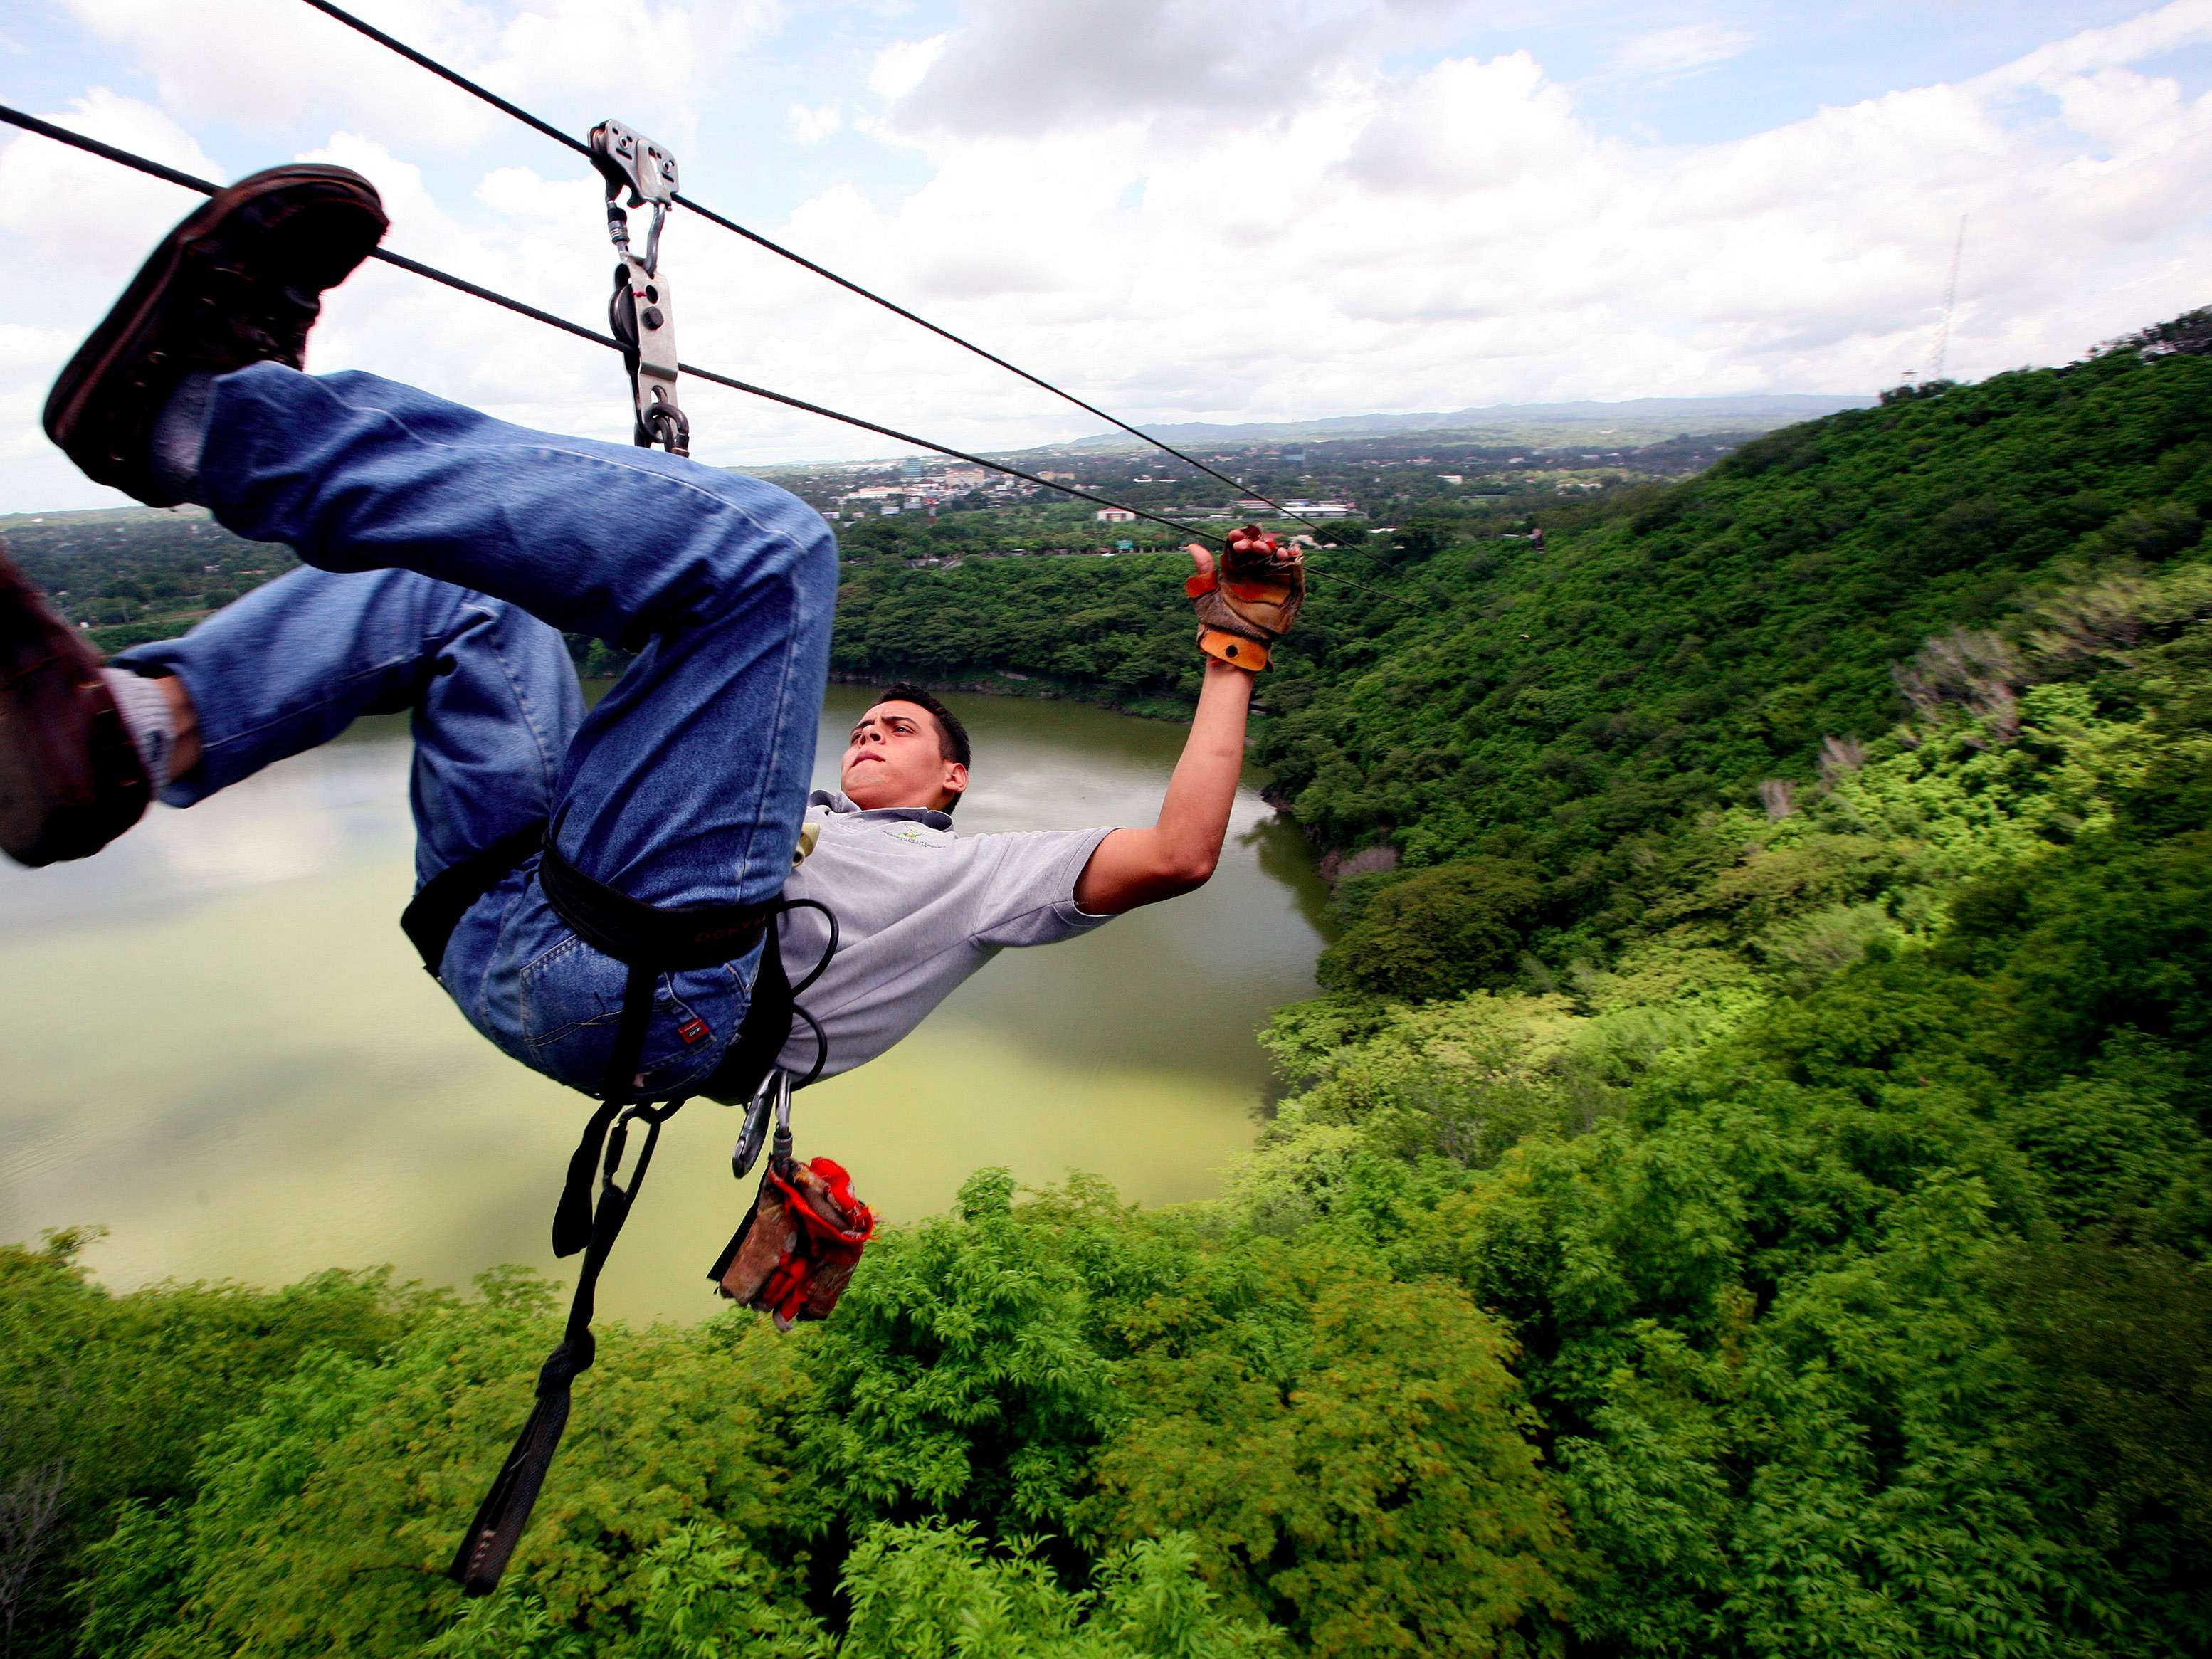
pixel 1746 1191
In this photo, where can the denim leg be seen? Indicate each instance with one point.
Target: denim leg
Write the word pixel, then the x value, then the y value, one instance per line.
pixel 290 665
pixel 495 705
pixel 687 784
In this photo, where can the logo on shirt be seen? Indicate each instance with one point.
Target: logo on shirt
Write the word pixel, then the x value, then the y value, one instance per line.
pixel 919 837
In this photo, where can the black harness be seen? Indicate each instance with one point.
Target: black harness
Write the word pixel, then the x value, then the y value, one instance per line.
pixel 649 941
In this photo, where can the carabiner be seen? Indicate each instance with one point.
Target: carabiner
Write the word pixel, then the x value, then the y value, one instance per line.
pixel 771 1099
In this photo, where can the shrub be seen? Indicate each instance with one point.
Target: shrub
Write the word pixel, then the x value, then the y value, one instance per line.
pixel 1436 931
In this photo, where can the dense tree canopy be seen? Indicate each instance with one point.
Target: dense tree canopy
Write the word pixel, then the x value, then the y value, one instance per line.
pixel 1748 1190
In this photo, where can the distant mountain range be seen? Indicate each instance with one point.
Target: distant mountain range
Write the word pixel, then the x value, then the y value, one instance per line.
pixel 1758 411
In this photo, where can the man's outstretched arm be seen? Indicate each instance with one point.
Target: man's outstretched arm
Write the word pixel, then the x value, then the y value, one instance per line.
pixel 1131 867
pixel 1250 605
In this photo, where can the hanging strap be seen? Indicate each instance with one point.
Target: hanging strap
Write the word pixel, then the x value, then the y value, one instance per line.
pixel 649 941
pixel 490 1540
pixel 572 1216
pixel 488 1544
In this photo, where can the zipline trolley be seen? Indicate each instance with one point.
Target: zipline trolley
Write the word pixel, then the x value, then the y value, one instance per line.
pixel 641 314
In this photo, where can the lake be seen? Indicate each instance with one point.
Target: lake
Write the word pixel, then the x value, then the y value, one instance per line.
pixel 215 1043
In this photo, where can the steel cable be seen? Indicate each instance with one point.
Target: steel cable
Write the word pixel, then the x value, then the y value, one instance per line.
pixel 455 78
pixel 176 176
pixel 520 308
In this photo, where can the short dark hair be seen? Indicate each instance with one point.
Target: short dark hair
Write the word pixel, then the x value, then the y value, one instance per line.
pixel 951 736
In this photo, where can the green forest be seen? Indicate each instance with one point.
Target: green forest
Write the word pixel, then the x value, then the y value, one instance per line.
pixel 1746 1189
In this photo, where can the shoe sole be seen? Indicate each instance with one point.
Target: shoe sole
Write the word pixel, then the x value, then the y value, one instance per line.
pixel 131 332
pixel 71 781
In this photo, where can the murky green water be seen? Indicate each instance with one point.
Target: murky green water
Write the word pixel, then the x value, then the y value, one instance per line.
pixel 215 1041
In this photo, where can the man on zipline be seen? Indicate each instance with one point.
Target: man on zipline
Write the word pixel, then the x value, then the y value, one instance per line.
pixel 446 551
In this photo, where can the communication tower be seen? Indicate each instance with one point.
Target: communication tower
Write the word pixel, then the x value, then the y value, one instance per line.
pixel 1950 299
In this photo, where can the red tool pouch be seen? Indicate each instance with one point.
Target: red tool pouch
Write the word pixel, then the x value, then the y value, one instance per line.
pixel 795 1251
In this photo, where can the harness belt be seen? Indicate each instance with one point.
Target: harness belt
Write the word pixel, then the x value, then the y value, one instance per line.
pixel 598 915
pixel 649 941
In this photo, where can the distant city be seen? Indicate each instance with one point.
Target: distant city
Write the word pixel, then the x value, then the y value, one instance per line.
pixel 131 574
pixel 1362 467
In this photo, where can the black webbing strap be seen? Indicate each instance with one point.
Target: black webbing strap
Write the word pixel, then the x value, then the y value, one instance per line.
pixel 428 921
pixel 649 941
pixel 668 937
pixel 490 1542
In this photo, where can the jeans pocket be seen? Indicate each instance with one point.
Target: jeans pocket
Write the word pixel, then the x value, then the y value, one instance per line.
pixel 571 1004
pixel 569 987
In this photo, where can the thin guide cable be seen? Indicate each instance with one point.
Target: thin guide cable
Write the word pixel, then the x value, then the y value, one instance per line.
pixel 474 291
pixel 456 78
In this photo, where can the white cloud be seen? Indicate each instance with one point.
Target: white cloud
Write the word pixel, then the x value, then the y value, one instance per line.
pixel 1462 235
pixel 1468 126
pixel 1018 67
pixel 901 67
pixel 811 123
pixel 2166 28
pixel 526 194
pixel 83 213
pixel 1677 51
pixel 284 62
pixel 664 57
pixel 1362 236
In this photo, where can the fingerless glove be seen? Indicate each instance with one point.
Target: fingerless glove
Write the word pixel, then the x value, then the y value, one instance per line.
pixel 1250 601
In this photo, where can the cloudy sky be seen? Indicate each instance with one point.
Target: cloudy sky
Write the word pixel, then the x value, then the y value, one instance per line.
pixel 1252 210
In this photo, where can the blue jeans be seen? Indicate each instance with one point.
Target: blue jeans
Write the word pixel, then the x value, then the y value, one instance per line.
pixel 446 550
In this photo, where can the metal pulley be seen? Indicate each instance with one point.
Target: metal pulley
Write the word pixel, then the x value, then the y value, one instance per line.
pixel 642 314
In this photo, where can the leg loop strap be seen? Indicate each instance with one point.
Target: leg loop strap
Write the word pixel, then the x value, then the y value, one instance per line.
pixel 490 1540
pixel 649 942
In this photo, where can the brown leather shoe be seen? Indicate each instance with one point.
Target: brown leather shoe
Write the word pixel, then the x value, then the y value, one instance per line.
pixel 70 779
pixel 239 282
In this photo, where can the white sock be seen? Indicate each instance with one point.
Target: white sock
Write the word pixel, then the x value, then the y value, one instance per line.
pixel 148 719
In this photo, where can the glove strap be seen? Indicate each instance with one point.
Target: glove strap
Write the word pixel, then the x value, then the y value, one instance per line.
pixel 1234 649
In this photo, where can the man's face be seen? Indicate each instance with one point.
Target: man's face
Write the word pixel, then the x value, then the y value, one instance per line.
pixel 893 759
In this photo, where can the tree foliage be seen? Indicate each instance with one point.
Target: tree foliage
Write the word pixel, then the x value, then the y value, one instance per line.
pixel 1437 930
pixel 1746 1191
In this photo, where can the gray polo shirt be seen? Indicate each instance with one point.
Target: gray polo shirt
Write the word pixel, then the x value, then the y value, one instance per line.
pixel 919 909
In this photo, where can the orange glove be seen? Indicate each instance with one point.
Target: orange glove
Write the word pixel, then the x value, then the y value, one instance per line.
pixel 1251 602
